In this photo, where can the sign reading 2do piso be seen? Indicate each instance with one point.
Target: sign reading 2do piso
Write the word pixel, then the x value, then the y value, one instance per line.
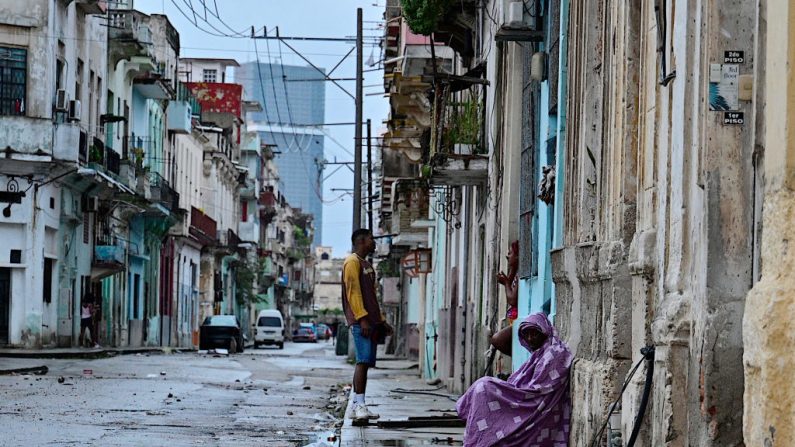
pixel 734 57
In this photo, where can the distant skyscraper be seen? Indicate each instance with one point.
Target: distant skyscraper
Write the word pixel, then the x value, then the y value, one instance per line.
pixel 293 99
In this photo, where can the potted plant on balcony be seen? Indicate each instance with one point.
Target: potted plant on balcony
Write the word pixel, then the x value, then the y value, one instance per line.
pixel 463 130
pixel 94 154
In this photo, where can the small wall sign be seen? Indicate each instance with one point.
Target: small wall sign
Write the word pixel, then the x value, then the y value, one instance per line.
pixel 734 57
pixel 733 118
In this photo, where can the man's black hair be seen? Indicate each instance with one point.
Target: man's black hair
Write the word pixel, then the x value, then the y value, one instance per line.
pixel 360 233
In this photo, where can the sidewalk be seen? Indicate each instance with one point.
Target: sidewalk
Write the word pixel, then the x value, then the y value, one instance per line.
pixel 406 419
pixel 82 353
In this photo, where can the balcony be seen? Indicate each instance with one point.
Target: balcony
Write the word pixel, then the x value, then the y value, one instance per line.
pixel 459 170
pixel 416 56
pixel 267 199
pixel 26 138
pixel 250 142
pixel 128 35
pixel 112 161
pixel 109 253
pixel 249 231
pixel 92 6
pixel 520 22
pixel 162 192
pixel 151 85
pixel 456 150
pixel 70 143
pixel 410 204
pixel 202 227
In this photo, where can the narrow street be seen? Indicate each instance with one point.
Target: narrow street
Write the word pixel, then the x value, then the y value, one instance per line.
pixel 261 397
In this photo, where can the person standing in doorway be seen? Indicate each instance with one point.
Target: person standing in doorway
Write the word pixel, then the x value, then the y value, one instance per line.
pixel 363 315
pixel 97 318
pixel 86 313
pixel 503 340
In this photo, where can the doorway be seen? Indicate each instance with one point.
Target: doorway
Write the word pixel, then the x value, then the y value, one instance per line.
pixel 5 304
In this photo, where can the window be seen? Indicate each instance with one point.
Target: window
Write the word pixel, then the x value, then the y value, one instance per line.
pixel 13 80
pixel 210 75
pixel 244 211
pixel 269 321
pixel 47 286
pixel 136 296
pixel 79 80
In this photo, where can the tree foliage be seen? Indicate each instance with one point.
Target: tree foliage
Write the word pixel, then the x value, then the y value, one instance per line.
pixel 423 16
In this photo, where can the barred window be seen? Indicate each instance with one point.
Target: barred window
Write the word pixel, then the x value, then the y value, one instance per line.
pixel 210 75
pixel 13 80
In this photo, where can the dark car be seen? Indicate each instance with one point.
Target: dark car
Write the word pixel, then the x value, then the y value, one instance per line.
pixel 305 334
pixel 221 331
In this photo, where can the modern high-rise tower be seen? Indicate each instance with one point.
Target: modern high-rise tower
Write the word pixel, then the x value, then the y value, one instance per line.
pixel 293 99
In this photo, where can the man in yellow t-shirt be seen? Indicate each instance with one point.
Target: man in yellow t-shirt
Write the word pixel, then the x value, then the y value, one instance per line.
pixel 363 314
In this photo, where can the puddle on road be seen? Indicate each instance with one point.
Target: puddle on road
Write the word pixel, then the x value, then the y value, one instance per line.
pixel 323 439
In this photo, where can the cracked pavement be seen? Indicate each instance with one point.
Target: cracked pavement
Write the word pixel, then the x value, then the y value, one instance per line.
pixel 263 397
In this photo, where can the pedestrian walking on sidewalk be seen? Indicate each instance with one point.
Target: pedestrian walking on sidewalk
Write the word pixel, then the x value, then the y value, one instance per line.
pixel 86 314
pixel 531 408
pixel 363 315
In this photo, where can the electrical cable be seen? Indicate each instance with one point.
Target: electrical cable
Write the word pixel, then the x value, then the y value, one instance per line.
pixel 648 354
pixel 315 187
pixel 423 392
pixel 194 21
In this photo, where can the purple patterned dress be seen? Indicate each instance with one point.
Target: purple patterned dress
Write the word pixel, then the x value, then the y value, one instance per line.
pixel 530 409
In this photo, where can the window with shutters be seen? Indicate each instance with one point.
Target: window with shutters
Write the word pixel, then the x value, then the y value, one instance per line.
pixel 13 80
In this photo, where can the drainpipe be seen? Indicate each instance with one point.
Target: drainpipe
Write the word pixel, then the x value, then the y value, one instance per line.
pixel 465 277
pixel 560 160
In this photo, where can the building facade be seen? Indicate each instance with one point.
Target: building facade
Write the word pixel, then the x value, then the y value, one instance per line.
pixel 124 186
pixel 624 146
pixel 294 102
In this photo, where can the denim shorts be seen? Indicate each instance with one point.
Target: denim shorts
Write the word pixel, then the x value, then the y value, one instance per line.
pixel 366 348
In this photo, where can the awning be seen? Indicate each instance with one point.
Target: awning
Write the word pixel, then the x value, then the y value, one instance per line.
pixel 105 178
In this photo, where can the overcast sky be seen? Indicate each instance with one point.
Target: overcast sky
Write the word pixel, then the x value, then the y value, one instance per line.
pixel 317 18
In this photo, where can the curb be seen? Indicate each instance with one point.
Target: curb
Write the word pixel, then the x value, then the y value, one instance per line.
pixel 88 353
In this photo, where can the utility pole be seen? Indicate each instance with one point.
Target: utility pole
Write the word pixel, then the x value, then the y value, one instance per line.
pixel 357 157
pixel 369 179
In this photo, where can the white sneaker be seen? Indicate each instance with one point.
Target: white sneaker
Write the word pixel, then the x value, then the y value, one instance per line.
pixel 361 413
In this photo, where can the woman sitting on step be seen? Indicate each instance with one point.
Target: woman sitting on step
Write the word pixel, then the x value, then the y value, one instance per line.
pixel 531 408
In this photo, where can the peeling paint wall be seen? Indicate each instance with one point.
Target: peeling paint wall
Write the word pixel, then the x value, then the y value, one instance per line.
pixel 658 217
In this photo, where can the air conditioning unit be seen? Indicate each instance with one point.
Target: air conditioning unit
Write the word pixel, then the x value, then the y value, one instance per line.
pixel 61 100
pixel 75 111
pixel 518 14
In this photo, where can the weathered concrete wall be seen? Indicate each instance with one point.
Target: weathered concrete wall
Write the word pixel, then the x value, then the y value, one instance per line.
pixel 659 211
pixel 769 398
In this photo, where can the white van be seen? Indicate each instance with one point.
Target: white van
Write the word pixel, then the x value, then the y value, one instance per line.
pixel 269 329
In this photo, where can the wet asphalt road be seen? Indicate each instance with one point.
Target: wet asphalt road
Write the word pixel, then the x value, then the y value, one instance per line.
pixel 263 397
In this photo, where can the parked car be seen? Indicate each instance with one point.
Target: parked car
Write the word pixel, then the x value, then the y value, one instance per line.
pixel 322 332
pixel 221 331
pixel 304 334
pixel 269 329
